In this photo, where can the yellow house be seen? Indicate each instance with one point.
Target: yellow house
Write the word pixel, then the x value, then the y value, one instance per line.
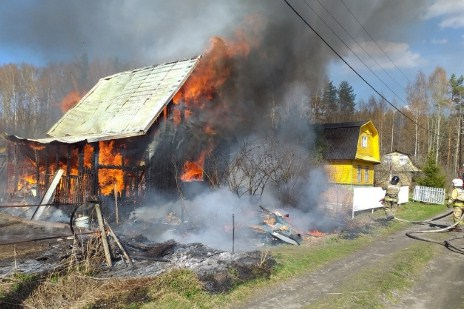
pixel 350 149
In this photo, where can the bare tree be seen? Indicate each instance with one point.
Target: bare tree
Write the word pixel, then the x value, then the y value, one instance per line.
pixel 417 100
pixel 438 86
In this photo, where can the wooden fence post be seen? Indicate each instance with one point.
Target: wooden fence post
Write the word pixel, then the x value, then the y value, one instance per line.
pixel 101 224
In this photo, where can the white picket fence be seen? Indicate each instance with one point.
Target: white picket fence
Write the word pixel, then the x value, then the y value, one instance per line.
pixel 429 195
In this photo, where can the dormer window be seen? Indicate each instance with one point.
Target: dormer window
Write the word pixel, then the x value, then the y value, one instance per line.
pixel 364 141
pixel 403 160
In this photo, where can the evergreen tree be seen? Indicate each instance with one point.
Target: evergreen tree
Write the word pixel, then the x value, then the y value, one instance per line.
pixel 432 176
pixel 456 90
pixel 329 102
pixel 346 98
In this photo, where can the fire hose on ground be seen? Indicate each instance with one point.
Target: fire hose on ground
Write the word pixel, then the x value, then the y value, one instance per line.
pixel 445 243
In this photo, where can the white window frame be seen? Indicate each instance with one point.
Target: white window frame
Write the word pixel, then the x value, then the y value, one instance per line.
pixel 403 160
pixel 364 141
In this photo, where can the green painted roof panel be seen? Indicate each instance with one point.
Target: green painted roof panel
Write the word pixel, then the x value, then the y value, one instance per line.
pixel 124 104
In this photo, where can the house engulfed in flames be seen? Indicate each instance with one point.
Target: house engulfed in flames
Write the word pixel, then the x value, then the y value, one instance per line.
pixel 121 142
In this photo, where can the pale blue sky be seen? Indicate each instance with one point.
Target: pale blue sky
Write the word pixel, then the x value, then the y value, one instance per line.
pixel 436 38
pixel 417 36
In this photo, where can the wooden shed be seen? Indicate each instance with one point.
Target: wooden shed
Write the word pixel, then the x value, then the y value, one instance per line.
pixel 123 140
pixel 396 163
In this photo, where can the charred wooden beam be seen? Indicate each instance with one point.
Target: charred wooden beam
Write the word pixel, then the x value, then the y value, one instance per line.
pixel 68 172
pixel 124 192
pixel 80 173
pixel 15 165
pixel 95 167
pixel 47 171
pixel 57 158
pixel 37 167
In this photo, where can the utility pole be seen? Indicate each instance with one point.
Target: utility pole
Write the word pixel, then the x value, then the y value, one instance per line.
pixel 392 131
pixel 460 137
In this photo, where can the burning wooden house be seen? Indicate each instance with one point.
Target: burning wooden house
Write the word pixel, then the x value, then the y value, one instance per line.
pixel 122 141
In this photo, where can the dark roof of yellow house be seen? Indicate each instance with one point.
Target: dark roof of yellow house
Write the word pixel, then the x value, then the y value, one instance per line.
pixel 339 141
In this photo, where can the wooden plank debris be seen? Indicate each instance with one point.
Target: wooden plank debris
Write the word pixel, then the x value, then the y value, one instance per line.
pixel 48 195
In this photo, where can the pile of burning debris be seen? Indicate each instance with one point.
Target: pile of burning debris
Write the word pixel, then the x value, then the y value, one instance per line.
pixel 275 227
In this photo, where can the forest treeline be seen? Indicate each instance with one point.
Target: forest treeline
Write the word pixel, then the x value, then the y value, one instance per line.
pixel 33 98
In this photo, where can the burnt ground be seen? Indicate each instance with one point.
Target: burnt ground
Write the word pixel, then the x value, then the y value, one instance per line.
pixel 54 249
pixel 438 287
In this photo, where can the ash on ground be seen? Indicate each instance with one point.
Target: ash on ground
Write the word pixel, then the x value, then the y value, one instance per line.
pixel 218 270
pixel 213 267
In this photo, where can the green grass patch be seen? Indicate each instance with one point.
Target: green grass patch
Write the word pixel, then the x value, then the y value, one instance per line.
pixel 415 211
pixel 15 289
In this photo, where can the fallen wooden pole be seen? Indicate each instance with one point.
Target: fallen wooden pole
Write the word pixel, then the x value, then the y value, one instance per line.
pixel 116 203
pixel 124 252
pixel 104 239
pixel 48 195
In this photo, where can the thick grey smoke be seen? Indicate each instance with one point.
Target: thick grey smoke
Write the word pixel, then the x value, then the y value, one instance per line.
pixel 267 91
pixel 153 31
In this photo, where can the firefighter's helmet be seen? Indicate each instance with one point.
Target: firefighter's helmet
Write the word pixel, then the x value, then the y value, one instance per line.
pixel 395 180
pixel 457 182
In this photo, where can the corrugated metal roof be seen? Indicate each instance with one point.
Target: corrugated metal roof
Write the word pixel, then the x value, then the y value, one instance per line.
pixel 66 139
pixel 122 105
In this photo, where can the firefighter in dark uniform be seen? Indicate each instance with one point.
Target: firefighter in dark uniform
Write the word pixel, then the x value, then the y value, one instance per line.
pixel 391 197
pixel 457 204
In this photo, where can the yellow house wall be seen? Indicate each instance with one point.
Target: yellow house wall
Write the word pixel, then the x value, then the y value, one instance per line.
pixel 340 172
pixel 346 172
pixel 372 149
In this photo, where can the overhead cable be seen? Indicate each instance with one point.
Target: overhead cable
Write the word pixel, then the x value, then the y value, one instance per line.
pixel 354 70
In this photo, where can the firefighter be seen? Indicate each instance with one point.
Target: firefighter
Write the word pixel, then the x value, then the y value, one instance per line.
pixel 456 203
pixel 391 197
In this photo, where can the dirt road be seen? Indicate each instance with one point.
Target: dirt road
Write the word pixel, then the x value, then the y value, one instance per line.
pixel 439 287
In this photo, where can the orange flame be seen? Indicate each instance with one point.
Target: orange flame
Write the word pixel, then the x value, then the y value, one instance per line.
pixel 69 101
pixel 30 179
pixel 204 85
pixel 316 233
pixel 216 66
pixel 212 71
pixel 193 171
pixel 108 178
pixel 88 151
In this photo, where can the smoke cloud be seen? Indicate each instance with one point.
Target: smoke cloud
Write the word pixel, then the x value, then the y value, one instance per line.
pixel 154 31
pixel 285 64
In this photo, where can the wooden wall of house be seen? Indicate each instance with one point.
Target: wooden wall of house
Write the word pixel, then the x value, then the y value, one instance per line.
pixel 369 147
pixel 351 172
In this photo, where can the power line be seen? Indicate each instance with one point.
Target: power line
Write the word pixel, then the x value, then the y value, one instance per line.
pixel 356 55
pixel 358 44
pixel 373 40
pixel 356 72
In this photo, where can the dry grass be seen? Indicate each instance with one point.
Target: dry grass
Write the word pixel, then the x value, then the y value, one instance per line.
pixel 72 285
pixel 78 291
pixel 67 282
